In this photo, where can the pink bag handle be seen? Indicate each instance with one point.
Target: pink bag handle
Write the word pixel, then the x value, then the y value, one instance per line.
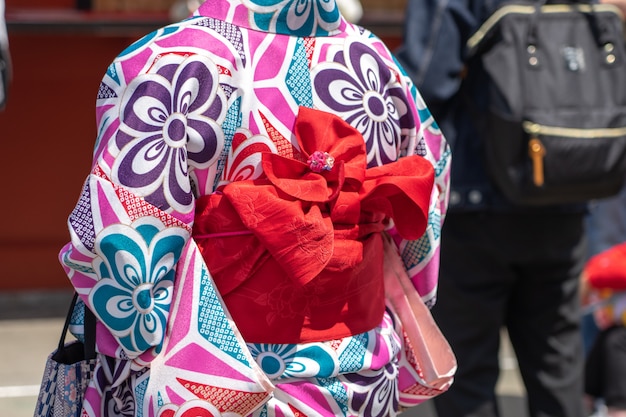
pixel 434 356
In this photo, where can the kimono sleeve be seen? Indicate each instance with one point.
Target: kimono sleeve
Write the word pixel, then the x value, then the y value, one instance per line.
pixel 159 123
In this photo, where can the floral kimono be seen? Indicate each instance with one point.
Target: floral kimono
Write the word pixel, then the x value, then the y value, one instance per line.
pixel 214 101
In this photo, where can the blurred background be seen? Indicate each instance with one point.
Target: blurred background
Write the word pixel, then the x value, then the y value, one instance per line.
pixel 59 51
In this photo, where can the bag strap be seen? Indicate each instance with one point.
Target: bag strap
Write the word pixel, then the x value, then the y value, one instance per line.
pixel 602 34
pixel 90 329
pixel 90 334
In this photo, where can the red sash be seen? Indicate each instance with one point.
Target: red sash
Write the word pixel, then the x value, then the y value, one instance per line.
pixel 297 256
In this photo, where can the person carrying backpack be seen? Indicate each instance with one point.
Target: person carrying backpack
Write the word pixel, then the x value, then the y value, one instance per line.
pixel 504 265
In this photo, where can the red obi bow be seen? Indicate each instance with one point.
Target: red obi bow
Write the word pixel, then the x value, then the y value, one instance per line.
pixel 311 214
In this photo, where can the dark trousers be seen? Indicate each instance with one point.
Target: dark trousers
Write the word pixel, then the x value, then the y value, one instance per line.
pixel 517 271
pixel 605 372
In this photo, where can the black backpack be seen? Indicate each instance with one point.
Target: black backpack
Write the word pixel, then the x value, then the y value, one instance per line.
pixel 554 124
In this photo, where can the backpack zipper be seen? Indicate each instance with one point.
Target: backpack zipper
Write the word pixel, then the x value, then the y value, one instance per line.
pixel 537 150
pixel 535 129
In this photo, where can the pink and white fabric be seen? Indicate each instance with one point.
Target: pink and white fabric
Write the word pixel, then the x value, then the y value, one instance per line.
pixel 191 107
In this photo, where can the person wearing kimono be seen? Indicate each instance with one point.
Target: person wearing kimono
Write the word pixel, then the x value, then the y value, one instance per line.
pixel 252 164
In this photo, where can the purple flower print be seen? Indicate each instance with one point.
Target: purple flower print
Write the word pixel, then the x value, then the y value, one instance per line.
pixel 360 88
pixel 169 121
pixel 119 401
pixel 114 380
pixel 375 391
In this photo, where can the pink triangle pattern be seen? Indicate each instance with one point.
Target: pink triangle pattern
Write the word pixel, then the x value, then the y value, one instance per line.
pixel 193 354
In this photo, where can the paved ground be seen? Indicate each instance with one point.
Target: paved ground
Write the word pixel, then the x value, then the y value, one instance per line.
pixel 30 325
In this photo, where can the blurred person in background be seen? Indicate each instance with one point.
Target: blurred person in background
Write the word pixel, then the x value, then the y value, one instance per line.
pixel 5 61
pixel 502 265
pixel 605 225
pixel 182 9
pixel 603 293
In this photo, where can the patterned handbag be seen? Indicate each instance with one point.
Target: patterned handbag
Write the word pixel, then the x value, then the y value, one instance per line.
pixel 68 371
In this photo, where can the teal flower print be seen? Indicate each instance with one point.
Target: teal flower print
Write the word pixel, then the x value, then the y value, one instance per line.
pixel 293 361
pixel 136 268
pixel 295 17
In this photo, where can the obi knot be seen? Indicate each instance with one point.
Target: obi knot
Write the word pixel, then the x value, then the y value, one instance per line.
pixel 297 256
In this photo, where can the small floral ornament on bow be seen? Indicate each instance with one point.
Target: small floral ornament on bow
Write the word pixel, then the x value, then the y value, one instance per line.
pixel 321 161
pixel 334 159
